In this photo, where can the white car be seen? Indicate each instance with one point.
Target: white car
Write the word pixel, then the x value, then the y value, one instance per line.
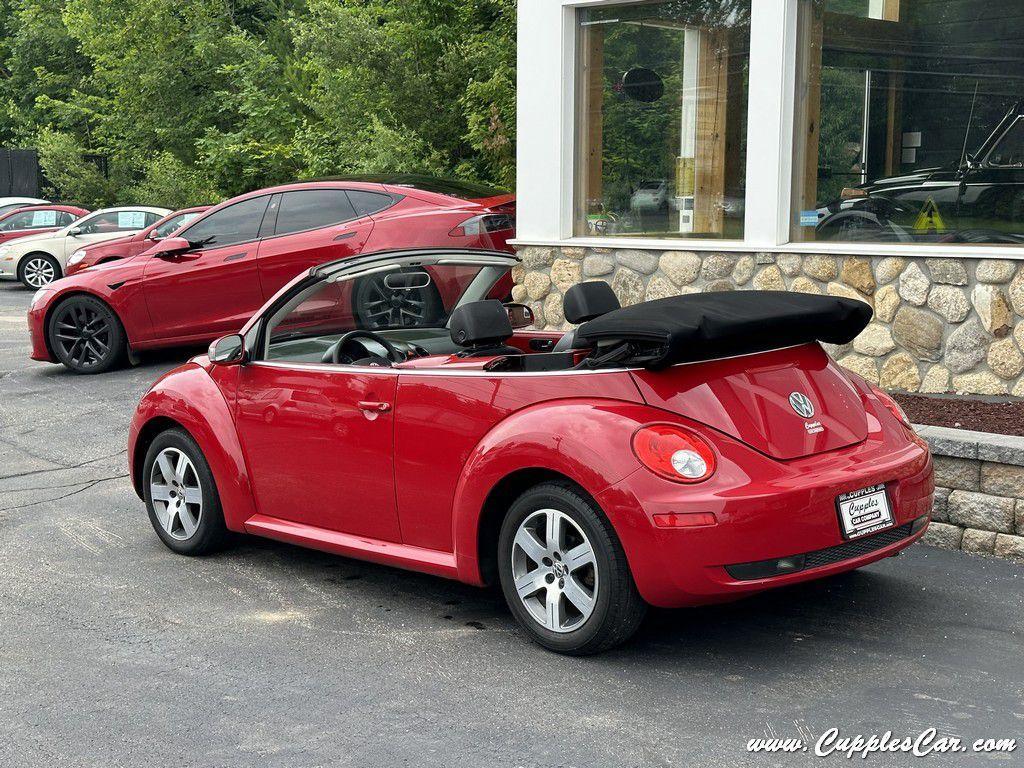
pixel 38 260
pixel 650 196
pixel 8 204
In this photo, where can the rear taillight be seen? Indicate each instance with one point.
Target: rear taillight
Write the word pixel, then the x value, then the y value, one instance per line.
pixel 487 222
pixel 893 406
pixel 674 453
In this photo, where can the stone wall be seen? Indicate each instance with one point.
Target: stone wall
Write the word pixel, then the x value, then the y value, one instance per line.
pixel 979 494
pixel 940 325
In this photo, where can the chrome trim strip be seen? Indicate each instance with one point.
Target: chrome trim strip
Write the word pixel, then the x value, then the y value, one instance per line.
pixel 328 368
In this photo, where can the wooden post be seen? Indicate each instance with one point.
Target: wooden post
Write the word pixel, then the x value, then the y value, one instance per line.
pixel 709 159
pixel 593 112
pixel 808 134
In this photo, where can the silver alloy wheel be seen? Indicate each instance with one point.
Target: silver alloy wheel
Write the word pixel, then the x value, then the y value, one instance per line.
pixel 39 272
pixel 177 493
pixel 554 570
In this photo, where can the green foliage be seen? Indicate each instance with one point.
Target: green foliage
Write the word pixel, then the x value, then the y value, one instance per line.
pixel 191 102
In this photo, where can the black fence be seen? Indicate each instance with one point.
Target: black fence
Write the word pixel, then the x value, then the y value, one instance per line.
pixel 19 173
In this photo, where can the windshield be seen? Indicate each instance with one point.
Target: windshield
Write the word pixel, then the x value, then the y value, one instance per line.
pixel 410 302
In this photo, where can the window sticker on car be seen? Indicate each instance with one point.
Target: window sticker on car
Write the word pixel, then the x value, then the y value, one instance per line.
pixel 44 218
pixel 131 219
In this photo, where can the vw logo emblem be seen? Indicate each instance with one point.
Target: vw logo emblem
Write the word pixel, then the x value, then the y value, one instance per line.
pixel 801 404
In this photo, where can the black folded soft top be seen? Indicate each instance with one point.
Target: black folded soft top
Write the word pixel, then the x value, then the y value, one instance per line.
pixel 706 326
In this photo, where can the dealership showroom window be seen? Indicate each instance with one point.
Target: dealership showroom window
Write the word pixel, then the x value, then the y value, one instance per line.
pixel 815 124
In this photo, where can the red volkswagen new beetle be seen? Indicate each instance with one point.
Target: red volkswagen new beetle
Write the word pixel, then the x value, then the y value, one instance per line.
pixel 214 273
pixel 682 451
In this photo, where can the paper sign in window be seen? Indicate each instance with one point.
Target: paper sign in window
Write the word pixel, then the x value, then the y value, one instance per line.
pixel 131 219
pixel 44 218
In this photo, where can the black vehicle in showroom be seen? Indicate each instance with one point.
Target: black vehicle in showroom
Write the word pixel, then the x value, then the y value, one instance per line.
pixel 978 200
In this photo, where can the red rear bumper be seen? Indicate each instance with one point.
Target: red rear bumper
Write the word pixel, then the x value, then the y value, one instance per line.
pixel 764 509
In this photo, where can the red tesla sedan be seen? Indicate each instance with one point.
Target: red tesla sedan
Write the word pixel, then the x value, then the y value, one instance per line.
pixel 132 245
pixel 36 219
pixel 211 277
pixel 682 451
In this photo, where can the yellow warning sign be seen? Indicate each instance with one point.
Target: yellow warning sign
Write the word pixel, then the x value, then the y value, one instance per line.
pixel 929 219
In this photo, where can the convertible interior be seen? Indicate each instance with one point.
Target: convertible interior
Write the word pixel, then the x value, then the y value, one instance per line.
pixel 477 335
pixel 470 327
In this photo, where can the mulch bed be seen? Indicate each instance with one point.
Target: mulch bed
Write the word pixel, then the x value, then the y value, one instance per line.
pixel 1002 416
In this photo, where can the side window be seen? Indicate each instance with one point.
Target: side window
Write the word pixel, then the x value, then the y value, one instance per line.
pixel 16 222
pixel 366 203
pixel 152 218
pixel 103 222
pixel 312 208
pixel 237 223
pixel 64 218
pixel 173 224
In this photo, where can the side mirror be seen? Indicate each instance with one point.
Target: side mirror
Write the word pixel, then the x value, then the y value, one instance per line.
pixel 75 231
pixel 170 247
pixel 520 315
pixel 153 236
pixel 228 350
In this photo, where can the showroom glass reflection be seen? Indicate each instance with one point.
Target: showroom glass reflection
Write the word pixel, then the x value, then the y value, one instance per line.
pixel 661 119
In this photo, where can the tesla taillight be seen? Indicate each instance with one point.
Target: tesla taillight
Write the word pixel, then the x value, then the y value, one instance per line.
pixel 487 222
pixel 674 453
pixel 893 406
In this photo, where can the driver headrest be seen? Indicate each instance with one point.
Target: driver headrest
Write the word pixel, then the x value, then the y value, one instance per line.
pixel 479 323
pixel 585 301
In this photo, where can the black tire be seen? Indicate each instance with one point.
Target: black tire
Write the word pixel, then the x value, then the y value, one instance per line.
pixel 211 533
pixel 34 270
pixel 423 306
pixel 86 335
pixel 618 607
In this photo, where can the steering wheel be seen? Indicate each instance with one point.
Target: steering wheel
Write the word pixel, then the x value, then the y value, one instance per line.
pixel 335 352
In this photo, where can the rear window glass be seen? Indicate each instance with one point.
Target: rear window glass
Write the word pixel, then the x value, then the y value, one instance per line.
pixel 366 203
pixel 312 208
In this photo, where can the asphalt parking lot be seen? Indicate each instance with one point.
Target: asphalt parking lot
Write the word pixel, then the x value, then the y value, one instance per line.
pixel 113 651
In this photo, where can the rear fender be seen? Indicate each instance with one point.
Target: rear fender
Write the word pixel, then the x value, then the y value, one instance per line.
pixel 588 442
pixel 191 399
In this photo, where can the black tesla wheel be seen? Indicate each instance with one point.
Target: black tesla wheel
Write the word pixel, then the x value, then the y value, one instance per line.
pixel 86 335
pixel 378 306
pixel 564 574
pixel 38 269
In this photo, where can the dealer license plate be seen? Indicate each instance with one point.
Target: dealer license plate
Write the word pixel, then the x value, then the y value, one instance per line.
pixel 864 511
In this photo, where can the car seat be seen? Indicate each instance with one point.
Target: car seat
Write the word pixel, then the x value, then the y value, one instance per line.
pixel 482 328
pixel 583 302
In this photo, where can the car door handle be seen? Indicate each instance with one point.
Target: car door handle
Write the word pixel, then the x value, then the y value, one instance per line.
pixel 374 406
pixel 542 345
pixel 236 256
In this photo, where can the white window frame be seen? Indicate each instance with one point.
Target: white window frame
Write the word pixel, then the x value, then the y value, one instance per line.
pixel 546 141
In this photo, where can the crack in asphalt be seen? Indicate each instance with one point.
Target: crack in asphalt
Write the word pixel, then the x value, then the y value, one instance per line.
pixel 61 468
pixel 86 485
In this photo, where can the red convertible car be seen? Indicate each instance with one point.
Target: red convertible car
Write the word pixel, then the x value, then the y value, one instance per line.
pixel 681 451
pixel 212 275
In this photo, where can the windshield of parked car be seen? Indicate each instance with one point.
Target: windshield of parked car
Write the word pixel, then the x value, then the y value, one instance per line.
pixel 1010 149
pixel 410 304
pixel 174 223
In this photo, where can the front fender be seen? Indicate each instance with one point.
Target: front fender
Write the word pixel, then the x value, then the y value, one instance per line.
pixel 190 398
pixel 588 442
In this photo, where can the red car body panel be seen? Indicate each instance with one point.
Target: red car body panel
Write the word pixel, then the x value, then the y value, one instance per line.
pixel 415 493
pixel 199 296
pixel 125 247
pixel 14 234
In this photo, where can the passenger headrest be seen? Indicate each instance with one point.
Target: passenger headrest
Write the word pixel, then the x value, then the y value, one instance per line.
pixel 480 323
pixel 585 301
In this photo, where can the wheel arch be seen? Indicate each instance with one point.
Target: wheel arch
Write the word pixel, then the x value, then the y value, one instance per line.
pixel 172 402
pixel 58 300
pixel 586 443
pixel 496 505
